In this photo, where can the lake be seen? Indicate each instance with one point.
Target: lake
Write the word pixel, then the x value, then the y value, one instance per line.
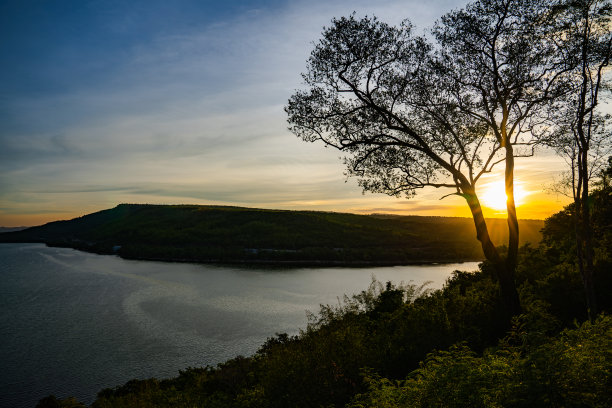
pixel 72 323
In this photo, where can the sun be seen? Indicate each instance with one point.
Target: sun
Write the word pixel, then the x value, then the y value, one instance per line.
pixel 494 195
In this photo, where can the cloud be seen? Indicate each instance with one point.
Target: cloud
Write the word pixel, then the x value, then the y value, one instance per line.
pixel 189 108
pixel 411 208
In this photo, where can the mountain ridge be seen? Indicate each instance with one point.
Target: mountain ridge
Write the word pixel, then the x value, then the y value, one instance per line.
pixel 230 234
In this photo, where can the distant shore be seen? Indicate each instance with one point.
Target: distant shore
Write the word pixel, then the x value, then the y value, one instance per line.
pixel 275 262
pixel 249 236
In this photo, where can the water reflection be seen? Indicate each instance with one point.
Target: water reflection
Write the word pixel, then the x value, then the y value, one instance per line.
pixel 72 323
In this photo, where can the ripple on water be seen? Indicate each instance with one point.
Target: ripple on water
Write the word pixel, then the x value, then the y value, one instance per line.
pixel 72 323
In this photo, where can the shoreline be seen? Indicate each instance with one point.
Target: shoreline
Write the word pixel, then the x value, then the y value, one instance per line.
pixel 278 263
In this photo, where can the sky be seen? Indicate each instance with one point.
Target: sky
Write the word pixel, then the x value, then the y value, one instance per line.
pixel 181 102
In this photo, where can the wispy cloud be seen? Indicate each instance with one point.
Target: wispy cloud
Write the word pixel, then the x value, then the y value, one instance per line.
pixel 179 103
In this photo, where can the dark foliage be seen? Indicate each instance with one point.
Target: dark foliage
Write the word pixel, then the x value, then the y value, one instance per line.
pixel 392 346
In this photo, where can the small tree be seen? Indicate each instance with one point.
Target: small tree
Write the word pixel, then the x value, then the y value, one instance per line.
pixel 582 30
pixel 411 114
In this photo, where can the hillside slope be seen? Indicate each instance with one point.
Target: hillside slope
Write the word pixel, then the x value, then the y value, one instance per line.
pixel 234 234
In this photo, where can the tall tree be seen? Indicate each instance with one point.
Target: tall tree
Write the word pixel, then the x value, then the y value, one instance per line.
pixel 411 114
pixel 582 33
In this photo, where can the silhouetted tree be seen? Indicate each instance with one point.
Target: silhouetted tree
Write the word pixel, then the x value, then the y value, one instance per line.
pixel 411 114
pixel 582 32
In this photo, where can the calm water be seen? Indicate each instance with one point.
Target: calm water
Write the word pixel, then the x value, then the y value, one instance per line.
pixel 72 323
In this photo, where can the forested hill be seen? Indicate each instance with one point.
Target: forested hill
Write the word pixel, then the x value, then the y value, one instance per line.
pixel 234 234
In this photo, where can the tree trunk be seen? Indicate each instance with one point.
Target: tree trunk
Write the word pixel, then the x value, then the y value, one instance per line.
pixel 586 103
pixel 584 239
pixel 593 84
pixel 505 275
pixel 513 228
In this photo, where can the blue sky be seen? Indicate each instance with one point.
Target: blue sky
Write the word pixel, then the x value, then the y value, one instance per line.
pixel 104 102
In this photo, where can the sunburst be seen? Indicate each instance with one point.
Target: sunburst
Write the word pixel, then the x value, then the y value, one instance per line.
pixel 494 195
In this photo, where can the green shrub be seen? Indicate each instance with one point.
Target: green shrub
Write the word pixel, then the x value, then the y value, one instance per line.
pixel 574 369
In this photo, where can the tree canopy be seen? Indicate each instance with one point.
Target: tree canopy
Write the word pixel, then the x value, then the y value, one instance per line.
pixel 578 128
pixel 410 112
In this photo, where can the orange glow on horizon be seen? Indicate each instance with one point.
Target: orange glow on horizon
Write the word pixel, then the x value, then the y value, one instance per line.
pixel 532 203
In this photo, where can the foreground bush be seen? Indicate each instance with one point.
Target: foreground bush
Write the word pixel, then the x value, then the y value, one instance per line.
pixel 574 369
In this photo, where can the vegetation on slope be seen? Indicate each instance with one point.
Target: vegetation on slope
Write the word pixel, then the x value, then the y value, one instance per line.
pixel 233 234
pixel 392 346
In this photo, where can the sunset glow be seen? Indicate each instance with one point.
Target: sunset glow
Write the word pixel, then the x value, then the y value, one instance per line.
pixel 494 196
pixel 156 116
